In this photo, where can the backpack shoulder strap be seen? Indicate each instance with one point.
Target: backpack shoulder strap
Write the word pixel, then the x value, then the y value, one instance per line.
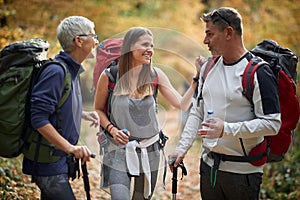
pixel 248 89
pixel 208 66
pixel 112 73
pixel 248 77
pixel 66 89
pixel 154 78
pixel 67 80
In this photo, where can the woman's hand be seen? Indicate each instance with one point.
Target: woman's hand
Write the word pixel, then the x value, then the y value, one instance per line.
pixel 119 136
pixel 200 60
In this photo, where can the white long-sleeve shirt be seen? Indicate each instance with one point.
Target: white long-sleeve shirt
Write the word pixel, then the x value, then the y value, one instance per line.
pixel 222 92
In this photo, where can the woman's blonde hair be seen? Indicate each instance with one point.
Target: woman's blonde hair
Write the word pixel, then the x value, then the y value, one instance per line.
pixel 144 86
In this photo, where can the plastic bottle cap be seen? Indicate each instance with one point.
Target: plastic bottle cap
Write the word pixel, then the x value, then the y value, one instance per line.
pixel 210 111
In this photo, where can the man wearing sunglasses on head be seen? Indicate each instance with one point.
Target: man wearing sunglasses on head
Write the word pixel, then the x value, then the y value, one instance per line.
pixel 237 125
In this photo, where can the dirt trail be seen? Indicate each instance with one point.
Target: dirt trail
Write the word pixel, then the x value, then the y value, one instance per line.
pixel 188 188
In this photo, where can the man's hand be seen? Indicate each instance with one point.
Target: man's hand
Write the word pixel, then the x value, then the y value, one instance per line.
pixel 81 152
pixel 215 129
pixel 91 116
pixel 175 158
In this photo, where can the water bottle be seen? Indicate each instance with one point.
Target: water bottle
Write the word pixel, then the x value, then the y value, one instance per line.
pixel 125 131
pixel 209 119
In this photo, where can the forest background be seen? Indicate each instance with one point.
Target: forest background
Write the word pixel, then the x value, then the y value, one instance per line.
pixel 178 37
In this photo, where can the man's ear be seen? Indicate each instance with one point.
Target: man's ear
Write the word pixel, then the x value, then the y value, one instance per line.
pixel 229 32
pixel 78 41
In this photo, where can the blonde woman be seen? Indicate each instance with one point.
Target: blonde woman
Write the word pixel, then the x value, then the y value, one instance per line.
pixel 137 153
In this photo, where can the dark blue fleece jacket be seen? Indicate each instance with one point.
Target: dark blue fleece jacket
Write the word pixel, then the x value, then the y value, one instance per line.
pixel 45 96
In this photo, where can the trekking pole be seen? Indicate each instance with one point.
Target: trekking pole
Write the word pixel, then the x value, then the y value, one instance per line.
pixel 85 177
pixel 174 178
pixel 174 183
pixel 86 182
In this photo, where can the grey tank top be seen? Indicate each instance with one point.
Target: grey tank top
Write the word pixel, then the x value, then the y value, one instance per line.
pixel 136 115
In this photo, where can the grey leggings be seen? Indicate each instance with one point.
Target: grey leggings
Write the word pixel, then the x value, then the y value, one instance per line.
pixel 120 180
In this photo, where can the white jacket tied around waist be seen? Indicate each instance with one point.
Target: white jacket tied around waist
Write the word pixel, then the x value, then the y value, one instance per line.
pixel 133 163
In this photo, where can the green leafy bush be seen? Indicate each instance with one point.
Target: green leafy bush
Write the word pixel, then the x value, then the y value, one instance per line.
pixel 282 180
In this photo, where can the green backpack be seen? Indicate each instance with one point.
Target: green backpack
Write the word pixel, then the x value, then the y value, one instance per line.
pixel 21 64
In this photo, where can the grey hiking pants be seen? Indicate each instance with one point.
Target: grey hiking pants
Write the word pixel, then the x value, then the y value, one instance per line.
pixel 55 187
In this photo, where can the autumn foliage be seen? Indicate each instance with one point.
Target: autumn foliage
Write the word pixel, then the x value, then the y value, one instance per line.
pixel 178 38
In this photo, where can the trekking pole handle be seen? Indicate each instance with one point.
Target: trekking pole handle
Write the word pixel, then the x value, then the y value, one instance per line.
pixel 93 155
